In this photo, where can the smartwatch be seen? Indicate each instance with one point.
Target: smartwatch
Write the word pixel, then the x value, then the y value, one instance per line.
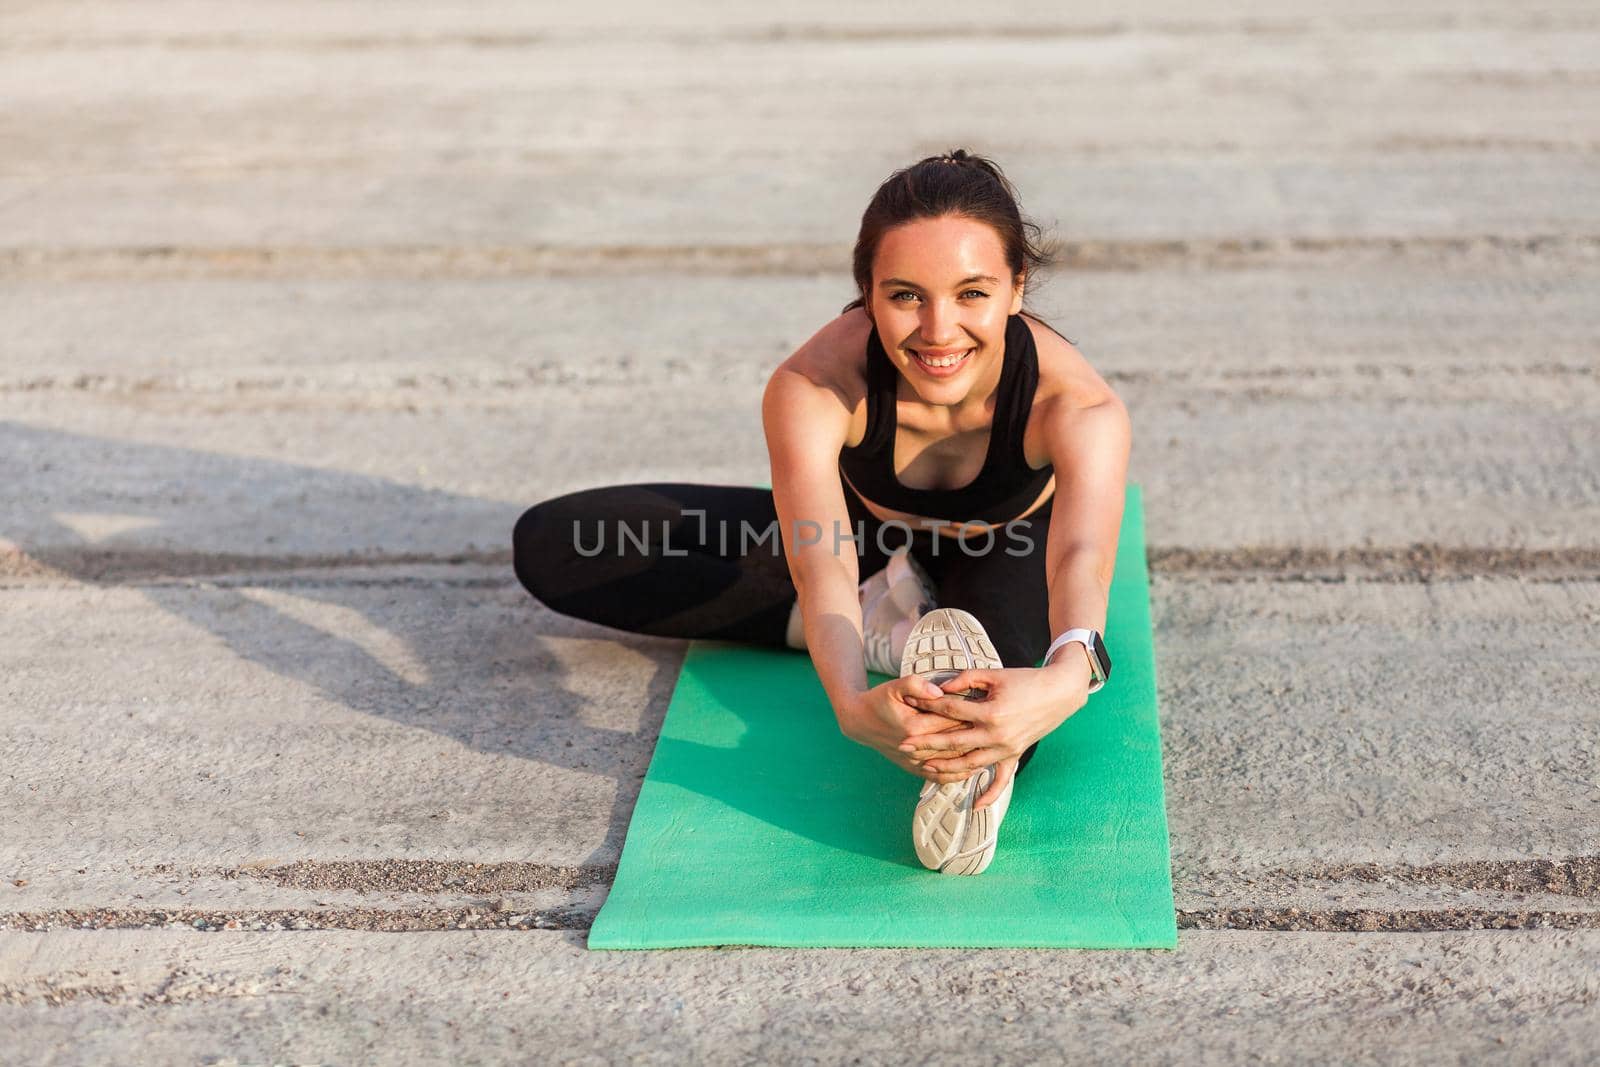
pixel 1099 659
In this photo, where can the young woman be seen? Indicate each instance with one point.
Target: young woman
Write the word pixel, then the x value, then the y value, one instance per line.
pixel 921 439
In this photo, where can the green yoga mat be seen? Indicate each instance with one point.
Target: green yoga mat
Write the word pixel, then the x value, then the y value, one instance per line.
pixel 760 824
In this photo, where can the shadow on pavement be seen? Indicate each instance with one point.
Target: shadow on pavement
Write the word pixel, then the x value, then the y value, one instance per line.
pixel 213 539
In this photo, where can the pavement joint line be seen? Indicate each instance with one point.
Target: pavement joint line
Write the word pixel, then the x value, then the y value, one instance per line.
pixel 1132 149
pixel 1485 143
pixel 1375 920
pixel 431 262
pixel 1420 22
pixel 1363 371
pixel 537 377
pixel 1418 563
pixel 411 876
pixel 1575 876
pixel 1572 876
pixel 180 985
pixel 135 566
pixel 390 920
pixel 385 920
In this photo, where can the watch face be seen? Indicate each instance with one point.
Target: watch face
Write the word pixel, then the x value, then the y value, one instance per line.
pixel 1102 656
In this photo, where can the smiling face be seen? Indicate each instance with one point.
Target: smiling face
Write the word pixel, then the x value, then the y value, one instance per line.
pixel 941 294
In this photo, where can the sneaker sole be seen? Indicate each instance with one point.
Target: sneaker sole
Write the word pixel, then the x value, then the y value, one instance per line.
pixel 950 837
pixel 945 642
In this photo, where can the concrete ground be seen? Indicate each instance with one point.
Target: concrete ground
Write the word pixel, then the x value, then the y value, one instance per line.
pixel 303 302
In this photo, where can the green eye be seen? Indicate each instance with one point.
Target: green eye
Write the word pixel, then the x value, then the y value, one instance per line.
pixel 975 292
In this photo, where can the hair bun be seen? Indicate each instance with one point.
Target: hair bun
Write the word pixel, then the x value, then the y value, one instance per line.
pixel 931 188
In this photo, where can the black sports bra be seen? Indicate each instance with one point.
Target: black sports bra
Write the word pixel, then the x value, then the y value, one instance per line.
pixel 1003 489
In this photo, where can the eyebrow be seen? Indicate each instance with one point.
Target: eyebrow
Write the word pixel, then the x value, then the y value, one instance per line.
pixel 989 278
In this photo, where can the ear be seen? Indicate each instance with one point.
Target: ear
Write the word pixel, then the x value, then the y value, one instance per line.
pixel 1017 288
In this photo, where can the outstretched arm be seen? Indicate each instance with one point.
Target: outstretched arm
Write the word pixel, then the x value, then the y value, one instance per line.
pixel 1089 449
pixel 806 424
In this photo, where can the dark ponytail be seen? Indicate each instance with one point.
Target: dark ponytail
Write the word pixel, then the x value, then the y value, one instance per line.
pixel 956 183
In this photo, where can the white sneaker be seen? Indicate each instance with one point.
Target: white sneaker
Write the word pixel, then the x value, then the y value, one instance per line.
pixel 892 600
pixel 909 585
pixel 950 837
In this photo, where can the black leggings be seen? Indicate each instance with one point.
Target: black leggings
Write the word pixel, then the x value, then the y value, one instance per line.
pixel 682 560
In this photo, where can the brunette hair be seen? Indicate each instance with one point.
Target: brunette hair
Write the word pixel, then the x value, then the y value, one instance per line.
pixel 956 183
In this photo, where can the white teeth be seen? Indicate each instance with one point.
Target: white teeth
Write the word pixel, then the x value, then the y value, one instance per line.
pixel 945 361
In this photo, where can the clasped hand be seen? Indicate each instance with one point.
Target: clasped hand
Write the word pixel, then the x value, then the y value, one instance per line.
pixel 885 716
pixel 1022 705
pixel 936 733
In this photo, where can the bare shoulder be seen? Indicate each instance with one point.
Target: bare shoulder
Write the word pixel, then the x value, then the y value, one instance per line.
pixel 1064 374
pixel 834 358
pixel 825 378
pixel 1072 398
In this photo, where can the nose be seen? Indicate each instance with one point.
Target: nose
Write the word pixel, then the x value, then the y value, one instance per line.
pixel 938 326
